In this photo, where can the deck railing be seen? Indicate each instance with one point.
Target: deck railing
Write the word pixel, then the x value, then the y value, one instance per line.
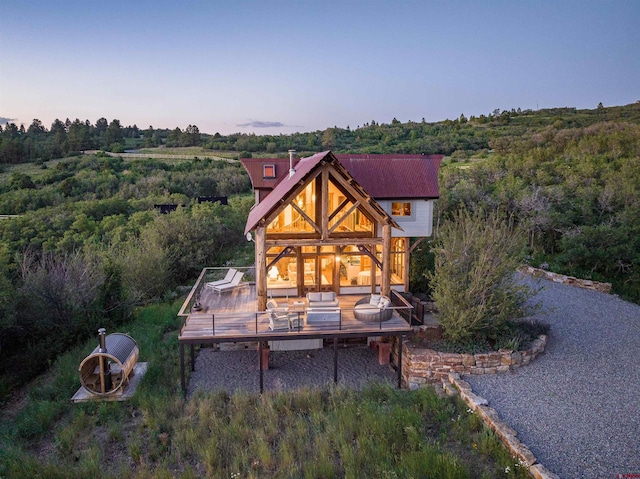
pixel 224 319
pixel 212 274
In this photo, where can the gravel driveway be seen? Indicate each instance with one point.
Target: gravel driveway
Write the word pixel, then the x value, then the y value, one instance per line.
pixel 577 407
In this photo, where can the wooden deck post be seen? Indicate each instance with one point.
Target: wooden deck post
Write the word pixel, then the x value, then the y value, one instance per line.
pixel 261 268
pixel 335 360
pixel 399 361
pixel 385 284
pixel 260 367
pixel 182 378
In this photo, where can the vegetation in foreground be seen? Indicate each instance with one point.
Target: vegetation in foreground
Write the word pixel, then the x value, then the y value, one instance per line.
pixel 329 432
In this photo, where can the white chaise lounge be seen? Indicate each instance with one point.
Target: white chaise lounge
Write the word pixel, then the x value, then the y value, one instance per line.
pixel 227 279
pixel 235 283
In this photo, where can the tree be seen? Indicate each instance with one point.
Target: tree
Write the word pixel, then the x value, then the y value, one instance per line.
pixel 474 283
pixel 174 137
pixel 113 134
pixel 328 138
pixel 36 128
pixel 78 136
pixel 191 136
pixel 101 125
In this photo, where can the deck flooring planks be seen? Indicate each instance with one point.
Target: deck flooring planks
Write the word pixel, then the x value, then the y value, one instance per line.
pixel 233 315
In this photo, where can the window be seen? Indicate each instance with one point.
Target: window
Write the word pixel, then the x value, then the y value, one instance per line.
pixel 268 171
pixel 400 209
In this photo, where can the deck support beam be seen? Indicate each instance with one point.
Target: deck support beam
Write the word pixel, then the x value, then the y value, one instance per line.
pixel 399 361
pixel 182 378
pixel 260 367
pixel 335 360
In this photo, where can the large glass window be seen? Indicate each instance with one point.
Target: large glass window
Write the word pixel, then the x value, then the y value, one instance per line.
pixel 295 219
pixel 279 274
pixel 343 216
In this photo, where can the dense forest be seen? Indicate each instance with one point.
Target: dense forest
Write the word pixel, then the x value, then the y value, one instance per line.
pixel 83 242
pixel 459 137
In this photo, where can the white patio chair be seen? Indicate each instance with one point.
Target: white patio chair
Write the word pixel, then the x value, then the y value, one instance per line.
pixel 227 279
pixel 235 283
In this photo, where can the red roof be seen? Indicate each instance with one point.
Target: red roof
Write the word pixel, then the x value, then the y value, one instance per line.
pixel 395 176
pixel 254 168
pixel 303 168
pixel 262 209
pixel 381 176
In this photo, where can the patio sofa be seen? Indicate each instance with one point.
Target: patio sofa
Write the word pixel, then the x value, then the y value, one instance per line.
pixel 325 300
pixel 323 308
pixel 373 309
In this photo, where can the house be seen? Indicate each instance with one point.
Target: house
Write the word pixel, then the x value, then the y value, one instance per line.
pixel 339 223
pixel 327 223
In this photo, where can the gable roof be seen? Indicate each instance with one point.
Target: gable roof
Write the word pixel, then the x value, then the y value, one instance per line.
pixel 304 168
pixel 381 176
pixel 254 168
pixel 395 176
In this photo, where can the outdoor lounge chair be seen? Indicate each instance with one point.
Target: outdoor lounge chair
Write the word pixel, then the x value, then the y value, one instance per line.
pixel 373 309
pixel 279 317
pixel 235 283
pixel 281 321
pixel 227 279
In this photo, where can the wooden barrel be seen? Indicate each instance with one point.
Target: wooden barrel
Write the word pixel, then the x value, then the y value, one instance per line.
pixel 120 357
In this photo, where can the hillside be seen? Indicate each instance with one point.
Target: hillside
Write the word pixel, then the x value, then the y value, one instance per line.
pixel 84 240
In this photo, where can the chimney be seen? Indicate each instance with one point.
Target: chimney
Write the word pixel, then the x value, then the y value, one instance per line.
pixel 105 368
pixel 102 333
pixel 292 170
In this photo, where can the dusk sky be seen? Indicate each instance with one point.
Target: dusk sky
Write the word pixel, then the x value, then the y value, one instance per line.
pixel 274 67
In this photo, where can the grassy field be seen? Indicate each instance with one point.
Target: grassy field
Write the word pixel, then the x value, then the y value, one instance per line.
pixel 203 152
pixel 326 432
pixel 190 151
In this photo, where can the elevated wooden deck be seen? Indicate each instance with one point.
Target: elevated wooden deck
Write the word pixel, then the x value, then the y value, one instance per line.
pixel 233 316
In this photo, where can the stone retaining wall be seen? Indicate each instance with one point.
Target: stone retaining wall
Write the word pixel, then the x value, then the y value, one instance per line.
pixel 421 365
pixel 478 405
pixel 564 279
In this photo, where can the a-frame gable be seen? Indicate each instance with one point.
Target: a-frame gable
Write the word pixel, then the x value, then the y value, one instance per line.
pixel 313 178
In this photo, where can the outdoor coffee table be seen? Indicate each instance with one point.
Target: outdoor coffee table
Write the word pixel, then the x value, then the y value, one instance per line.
pixel 323 316
pixel 299 306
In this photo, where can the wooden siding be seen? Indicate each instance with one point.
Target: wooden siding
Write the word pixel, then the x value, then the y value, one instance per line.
pixel 419 224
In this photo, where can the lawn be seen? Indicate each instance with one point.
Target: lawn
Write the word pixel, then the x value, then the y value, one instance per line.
pixel 189 151
pixel 325 432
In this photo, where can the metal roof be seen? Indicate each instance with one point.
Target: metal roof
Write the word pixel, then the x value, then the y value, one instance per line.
pixel 303 169
pixel 381 176
pixel 395 176
pixel 254 168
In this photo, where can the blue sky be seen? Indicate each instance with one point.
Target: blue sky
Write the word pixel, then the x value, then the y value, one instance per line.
pixel 274 67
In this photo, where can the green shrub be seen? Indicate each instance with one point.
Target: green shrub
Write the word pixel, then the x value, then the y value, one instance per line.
pixel 474 283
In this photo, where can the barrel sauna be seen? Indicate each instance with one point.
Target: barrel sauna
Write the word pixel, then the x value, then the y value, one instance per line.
pixel 107 369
